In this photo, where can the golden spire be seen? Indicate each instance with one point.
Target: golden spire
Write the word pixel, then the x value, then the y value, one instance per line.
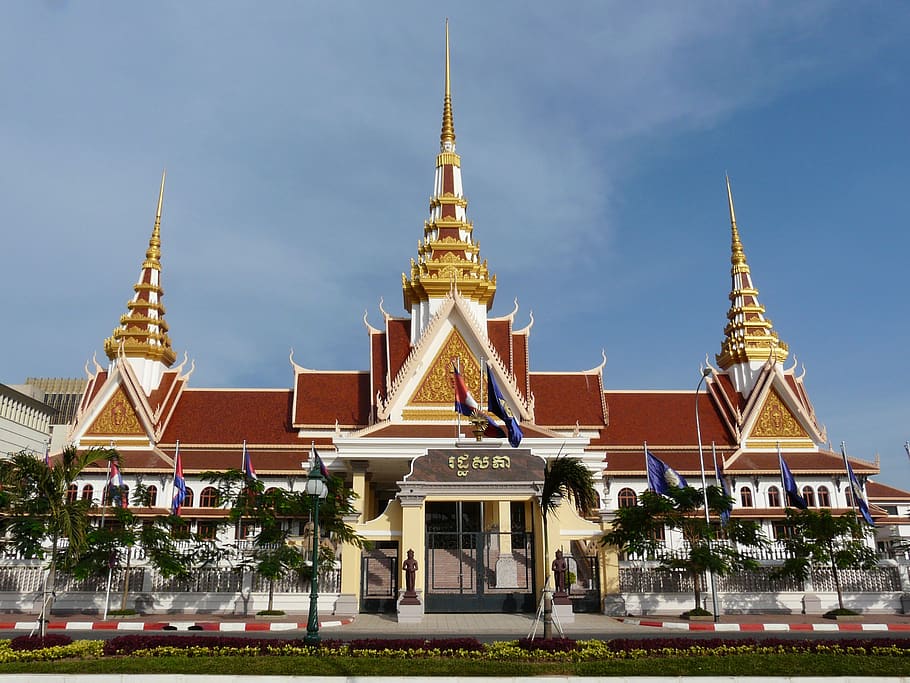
pixel 749 335
pixel 448 255
pixel 143 332
pixel 153 253
pixel 447 137
pixel 738 256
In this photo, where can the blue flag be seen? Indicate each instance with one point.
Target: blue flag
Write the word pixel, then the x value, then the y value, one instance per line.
pixel 859 499
pixel 496 404
pixel 793 495
pixel 661 476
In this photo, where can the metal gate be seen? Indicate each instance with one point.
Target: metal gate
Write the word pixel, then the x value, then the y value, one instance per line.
pixel 480 572
pixel 379 577
pixel 584 589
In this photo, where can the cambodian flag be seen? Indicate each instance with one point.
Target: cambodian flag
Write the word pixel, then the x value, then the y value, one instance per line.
pixel 790 487
pixel 115 487
pixel 317 462
pixel 248 470
pixel 179 484
pixel 464 402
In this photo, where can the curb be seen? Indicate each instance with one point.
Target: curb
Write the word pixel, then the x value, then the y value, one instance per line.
pixel 745 628
pixel 226 626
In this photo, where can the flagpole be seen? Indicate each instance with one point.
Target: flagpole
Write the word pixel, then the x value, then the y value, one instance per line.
pixel 647 476
pixel 907 448
pixel 110 564
pixel 783 484
pixel 843 452
pixel 705 373
pixel 457 412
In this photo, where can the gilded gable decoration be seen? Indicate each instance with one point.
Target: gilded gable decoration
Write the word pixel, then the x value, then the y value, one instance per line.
pixel 777 421
pixel 117 417
pixel 436 386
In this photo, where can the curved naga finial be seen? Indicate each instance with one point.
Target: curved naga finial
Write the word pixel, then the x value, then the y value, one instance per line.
pixel 802 374
pixel 385 315
pixel 511 315
pixel 366 322
pixel 708 365
pixel 192 369
pixel 527 328
pixel 179 368
pixel 792 367
pixel 297 368
pixel 603 362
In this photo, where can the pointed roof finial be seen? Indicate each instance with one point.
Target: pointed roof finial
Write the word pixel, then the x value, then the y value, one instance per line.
pixel 142 332
pixel 153 254
pixel 447 137
pixel 738 255
pixel 749 335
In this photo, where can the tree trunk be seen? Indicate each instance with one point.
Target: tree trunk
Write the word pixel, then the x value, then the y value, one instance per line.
pixel 271 593
pixel 547 595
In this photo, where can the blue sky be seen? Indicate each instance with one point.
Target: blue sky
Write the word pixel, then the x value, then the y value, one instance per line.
pixel 300 141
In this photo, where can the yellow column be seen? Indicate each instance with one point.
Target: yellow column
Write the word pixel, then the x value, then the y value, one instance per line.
pixel 505 527
pixel 413 537
pixel 360 488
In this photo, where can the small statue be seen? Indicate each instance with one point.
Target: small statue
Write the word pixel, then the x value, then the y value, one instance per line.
pixel 410 573
pixel 560 569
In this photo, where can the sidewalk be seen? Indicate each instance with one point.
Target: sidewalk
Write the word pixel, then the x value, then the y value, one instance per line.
pixel 504 626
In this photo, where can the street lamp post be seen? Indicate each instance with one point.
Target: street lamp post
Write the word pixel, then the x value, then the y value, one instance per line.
pixel 705 373
pixel 316 489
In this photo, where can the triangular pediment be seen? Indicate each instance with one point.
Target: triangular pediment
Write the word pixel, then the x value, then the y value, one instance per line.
pixel 117 417
pixel 776 420
pixel 118 414
pixel 435 389
pixel 423 389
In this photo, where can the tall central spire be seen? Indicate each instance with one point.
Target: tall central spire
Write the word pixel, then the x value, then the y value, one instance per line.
pixel 448 258
pixel 142 336
pixel 447 137
pixel 750 339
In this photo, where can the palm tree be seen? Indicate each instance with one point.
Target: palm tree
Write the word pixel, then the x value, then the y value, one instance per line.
pixel 563 477
pixel 37 509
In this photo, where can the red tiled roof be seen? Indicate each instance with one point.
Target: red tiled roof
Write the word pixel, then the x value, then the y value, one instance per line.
pixel 821 461
pixel 321 398
pixel 567 399
pixel 398 333
pixel 520 363
pixel 379 366
pixel 231 416
pixel 883 492
pixel 662 419
pixel 418 430
pixel 264 460
pixel 686 462
pixel 498 332
pixel 156 398
pixel 146 459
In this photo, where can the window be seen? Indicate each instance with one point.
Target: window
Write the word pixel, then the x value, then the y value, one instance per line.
pixel 87 492
pixel 72 493
pixel 809 495
pixel 774 497
pixel 824 498
pixel 209 497
pixel 207 530
pixel 188 501
pixel 849 494
pixel 627 499
pixel 151 495
pixel 659 534
pixel 781 530
pixel 745 497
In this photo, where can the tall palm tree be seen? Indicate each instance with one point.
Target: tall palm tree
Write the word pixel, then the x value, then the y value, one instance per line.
pixel 563 477
pixel 37 509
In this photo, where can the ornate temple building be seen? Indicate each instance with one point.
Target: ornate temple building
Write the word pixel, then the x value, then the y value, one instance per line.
pixel 466 504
